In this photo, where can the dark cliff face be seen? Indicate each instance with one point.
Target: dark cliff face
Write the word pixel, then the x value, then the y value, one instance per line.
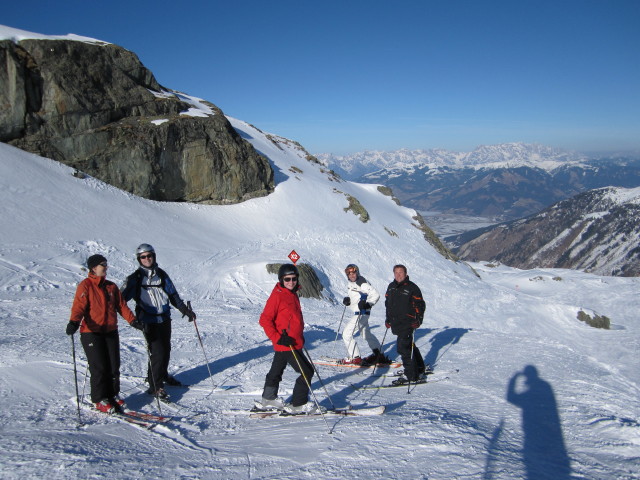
pixel 98 109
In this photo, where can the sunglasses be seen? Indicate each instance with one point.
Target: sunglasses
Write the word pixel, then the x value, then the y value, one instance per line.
pixel 144 257
pixel 104 264
pixel 290 279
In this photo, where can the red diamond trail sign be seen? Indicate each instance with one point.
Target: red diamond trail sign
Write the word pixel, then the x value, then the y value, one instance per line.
pixel 294 257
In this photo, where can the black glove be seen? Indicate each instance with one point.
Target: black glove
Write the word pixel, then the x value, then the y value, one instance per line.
pixel 416 324
pixel 346 301
pixel 190 314
pixel 72 327
pixel 286 340
pixel 138 325
pixel 363 305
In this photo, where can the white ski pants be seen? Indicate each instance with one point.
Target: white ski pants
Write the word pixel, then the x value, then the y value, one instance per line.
pixel 358 323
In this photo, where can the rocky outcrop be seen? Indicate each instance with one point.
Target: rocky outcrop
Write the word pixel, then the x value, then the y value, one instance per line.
pixel 95 107
pixel 311 286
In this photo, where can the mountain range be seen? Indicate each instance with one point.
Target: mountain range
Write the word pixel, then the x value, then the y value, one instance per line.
pixel 596 231
pixel 503 182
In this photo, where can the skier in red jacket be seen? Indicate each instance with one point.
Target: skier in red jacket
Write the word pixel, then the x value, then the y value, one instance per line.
pixel 282 321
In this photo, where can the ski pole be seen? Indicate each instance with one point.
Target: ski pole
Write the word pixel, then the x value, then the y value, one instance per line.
pixel 381 350
pixel 319 377
pixel 75 376
pixel 413 337
pixel 340 324
pixel 153 380
pixel 213 385
pixel 309 385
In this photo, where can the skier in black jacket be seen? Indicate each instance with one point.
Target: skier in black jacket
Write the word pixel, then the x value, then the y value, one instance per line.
pixel 154 292
pixel 405 311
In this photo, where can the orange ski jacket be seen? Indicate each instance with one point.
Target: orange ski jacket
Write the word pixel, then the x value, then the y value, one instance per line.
pixel 97 303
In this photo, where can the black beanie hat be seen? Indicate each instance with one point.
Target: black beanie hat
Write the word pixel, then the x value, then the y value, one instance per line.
pixel 95 260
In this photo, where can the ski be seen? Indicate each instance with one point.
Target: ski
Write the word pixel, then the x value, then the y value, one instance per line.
pixel 145 416
pixel 404 385
pixel 148 424
pixel 340 412
pixel 144 423
pixel 334 362
pixel 428 372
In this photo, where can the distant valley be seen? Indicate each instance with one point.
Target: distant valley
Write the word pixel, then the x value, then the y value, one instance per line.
pixel 523 205
pixel 499 182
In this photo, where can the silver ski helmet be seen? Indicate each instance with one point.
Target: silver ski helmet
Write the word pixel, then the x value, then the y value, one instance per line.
pixel 352 267
pixel 145 248
pixel 287 269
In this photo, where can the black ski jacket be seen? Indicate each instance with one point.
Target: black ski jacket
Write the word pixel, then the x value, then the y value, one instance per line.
pixel 404 305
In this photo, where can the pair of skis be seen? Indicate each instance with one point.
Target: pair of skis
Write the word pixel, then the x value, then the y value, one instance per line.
pixel 257 412
pixel 335 362
pixel 430 377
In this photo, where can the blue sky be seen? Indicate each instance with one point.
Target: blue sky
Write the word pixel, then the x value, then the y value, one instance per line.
pixel 352 75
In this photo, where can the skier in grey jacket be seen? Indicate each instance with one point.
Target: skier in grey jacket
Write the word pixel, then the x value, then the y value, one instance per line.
pixel 361 297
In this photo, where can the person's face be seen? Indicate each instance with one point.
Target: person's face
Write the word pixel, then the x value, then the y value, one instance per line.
pixel 147 259
pixel 100 270
pixel 399 274
pixel 352 276
pixel 290 281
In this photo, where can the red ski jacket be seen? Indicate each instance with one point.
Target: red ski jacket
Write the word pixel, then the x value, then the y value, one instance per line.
pixel 283 312
pixel 97 302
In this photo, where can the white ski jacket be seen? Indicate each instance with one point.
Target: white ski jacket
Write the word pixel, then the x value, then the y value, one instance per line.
pixel 361 290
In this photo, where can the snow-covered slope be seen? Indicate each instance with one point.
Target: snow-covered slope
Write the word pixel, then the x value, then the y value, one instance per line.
pixel 464 427
pixel 15 35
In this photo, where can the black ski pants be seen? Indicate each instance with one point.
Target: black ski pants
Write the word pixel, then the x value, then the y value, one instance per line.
pixel 158 336
pixel 413 363
pixel 103 354
pixel 274 377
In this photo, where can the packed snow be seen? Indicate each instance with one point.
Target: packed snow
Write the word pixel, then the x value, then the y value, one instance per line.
pixel 582 424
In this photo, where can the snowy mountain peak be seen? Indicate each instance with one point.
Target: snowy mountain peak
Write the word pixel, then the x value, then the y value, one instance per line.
pixel 507 155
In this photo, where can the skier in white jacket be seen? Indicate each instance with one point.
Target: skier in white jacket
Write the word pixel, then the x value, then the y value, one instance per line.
pixel 361 297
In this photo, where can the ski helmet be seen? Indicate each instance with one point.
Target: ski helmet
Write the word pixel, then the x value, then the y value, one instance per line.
pixel 287 269
pixel 352 267
pixel 144 248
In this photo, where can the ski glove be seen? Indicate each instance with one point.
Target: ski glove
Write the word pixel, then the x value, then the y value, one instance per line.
pixel 138 325
pixel 363 305
pixel 286 340
pixel 346 301
pixel 191 315
pixel 72 327
pixel 387 324
pixel 416 324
